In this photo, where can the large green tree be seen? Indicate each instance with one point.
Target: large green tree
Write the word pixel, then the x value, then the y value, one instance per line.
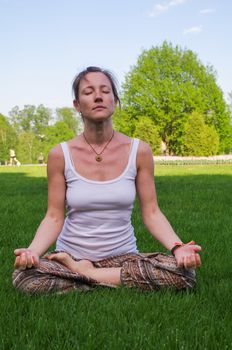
pixel 167 84
pixel 123 122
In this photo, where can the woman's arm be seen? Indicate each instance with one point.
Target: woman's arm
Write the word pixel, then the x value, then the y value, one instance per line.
pixel 52 223
pixel 153 218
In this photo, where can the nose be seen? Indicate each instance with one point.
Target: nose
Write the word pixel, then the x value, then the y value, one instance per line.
pixel 98 96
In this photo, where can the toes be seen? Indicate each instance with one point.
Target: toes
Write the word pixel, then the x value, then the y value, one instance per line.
pixel 50 256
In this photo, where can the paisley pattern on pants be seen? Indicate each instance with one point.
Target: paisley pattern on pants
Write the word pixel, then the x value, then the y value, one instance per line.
pixel 146 271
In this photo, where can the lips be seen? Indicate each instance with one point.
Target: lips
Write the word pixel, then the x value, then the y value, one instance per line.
pixel 99 107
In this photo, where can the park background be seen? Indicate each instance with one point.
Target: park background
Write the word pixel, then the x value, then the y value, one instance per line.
pixel 43 45
pixel 172 60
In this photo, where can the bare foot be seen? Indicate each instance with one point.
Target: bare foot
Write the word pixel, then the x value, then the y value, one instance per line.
pixel 106 276
pixel 65 259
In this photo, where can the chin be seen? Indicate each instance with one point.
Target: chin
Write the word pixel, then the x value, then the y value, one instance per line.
pixel 99 118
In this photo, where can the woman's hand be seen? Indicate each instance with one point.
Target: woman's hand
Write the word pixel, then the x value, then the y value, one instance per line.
pixel 25 258
pixel 187 256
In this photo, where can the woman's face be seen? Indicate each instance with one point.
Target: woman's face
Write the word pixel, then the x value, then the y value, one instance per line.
pixel 95 98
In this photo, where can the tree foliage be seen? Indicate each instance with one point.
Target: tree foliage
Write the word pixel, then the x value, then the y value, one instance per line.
pixel 199 138
pixel 8 138
pixel 28 147
pixel 123 122
pixel 30 132
pixel 146 130
pixel 54 134
pixel 69 117
pixel 167 84
pixel 30 119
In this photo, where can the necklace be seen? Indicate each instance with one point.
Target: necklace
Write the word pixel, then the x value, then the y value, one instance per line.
pixel 98 157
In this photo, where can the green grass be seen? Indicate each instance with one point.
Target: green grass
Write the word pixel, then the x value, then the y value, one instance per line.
pixel 197 201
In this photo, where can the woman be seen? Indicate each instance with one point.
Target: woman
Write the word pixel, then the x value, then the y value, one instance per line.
pixel 97 174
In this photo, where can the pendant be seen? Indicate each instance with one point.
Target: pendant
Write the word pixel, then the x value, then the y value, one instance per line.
pixel 98 158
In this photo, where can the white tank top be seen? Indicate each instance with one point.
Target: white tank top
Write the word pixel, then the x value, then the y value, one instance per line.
pixel 98 222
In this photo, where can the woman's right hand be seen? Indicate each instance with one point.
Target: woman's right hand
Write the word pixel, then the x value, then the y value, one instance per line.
pixel 25 258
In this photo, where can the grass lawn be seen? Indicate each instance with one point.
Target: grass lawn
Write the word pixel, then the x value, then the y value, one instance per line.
pixel 197 201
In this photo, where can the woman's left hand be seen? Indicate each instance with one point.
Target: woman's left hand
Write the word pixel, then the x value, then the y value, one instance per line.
pixel 187 256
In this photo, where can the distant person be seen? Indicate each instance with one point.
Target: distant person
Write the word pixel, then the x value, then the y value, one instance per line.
pixel 13 159
pixel 97 175
pixel 41 158
pixel 164 148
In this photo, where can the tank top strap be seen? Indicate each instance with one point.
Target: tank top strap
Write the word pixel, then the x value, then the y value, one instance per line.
pixel 132 158
pixel 133 153
pixel 67 159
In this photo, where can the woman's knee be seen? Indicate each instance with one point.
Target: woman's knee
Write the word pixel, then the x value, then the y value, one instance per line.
pixel 152 275
pixel 35 280
pixel 27 281
pixel 48 277
pixel 168 274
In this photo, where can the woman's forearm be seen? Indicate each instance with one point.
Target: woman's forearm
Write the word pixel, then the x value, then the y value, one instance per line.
pixel 46 234
pixel 161 229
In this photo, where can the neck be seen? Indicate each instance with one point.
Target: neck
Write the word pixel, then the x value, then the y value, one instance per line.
pixel 98 133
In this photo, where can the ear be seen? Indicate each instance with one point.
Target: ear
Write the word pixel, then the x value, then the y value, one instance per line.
pixel 76 106
pixel 115 102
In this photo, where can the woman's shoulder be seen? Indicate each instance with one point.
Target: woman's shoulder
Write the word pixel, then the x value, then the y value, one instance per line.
pixel 144 149
pixel 56 154
pixel 144 154
pixel 122 138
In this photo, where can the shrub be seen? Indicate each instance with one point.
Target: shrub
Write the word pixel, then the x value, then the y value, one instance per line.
pixel 199 138
pixel 146 131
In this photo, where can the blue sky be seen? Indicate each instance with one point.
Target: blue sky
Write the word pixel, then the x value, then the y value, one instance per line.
pixel 44 43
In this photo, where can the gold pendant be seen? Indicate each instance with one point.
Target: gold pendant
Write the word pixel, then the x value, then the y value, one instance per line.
pixel 98 158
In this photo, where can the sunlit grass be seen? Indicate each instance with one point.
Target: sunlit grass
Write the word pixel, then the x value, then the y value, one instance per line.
pixel 197 201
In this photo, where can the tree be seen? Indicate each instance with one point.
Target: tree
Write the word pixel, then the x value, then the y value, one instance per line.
pixel 54 134
pixel 30 119
pixel 167 84
pixel 146 130
pixel 8 138
pixel 199 138
pixel 122 122
pixel 230 104
pixel 28 148
pixel 41 119
pixel 230 127
pixel 69 117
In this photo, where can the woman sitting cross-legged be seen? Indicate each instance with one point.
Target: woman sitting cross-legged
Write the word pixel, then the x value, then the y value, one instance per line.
pixel 96 176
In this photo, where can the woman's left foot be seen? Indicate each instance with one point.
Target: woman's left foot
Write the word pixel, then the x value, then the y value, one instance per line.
pixel 65 259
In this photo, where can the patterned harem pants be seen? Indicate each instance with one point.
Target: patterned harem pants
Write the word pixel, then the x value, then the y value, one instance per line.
pixel 146 271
